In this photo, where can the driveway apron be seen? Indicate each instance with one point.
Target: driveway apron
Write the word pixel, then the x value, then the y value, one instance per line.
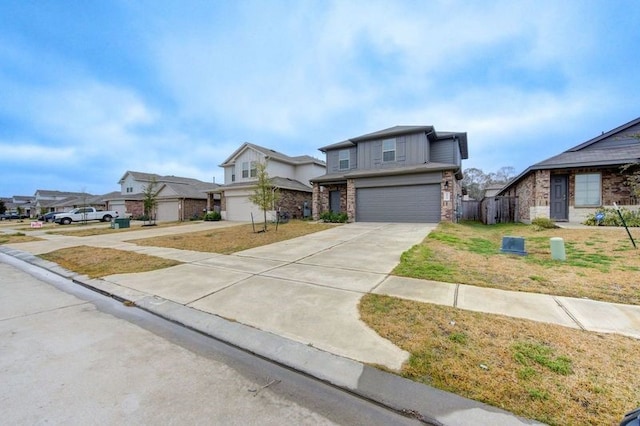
pixel 306 289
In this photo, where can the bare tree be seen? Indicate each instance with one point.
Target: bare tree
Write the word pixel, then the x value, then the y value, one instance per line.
pixel 476 181
pixel 150 202
pixel 264 195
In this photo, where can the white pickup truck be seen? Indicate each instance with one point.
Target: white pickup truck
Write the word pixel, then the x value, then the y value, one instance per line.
pixel 82 214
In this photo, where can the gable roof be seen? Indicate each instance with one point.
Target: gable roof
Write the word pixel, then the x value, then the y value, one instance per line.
pixel 403 130
pixel 185 190
pixel 270 153
pixel 625 150
pixel 148 177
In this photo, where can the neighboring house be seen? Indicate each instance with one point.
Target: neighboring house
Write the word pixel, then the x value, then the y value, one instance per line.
pixel 289 175
pixel 400 174
pixel 61 201
pixel 178 198
pixel 23 202
pixel 581 180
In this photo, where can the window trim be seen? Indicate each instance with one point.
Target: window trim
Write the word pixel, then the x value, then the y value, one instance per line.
pixel 587 190
pixel 245 169
pixel 389 150
pixel 340 159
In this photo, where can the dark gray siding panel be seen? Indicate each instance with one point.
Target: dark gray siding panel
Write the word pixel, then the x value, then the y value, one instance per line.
pixel 414 179
pixel 411 150
pixel 446 151
pixel 333 163
pixel 410 204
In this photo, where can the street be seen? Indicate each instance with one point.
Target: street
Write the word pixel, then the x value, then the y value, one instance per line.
pixel 72 356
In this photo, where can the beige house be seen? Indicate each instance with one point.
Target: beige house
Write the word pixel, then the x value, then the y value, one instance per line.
pixel 289 176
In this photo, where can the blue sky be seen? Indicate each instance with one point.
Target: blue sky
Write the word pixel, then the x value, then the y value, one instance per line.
pixel 89 90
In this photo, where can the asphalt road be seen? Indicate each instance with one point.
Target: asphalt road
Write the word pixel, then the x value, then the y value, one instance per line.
pixel 71 356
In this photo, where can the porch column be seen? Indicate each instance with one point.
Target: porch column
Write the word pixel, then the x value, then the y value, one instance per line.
pixel 315 202
pixel 351 200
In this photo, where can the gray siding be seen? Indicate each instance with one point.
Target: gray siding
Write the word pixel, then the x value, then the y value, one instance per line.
pixel 446 151
pixel 411 150
pixel 409 204
pixel 333 160
pixel 413 179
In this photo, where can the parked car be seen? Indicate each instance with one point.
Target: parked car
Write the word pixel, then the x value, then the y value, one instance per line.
pixel 84 214
pixel 48 217
pixel 10 216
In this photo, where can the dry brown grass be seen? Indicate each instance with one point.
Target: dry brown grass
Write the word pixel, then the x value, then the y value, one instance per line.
pixel 601 263
pixel 17 238
pixel 95 228
pixel 98 262
pixel 235 238
pixel 588 378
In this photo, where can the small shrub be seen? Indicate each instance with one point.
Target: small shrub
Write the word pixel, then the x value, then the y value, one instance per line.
pixel 212 216
pixel 612 218
pixel 332 217
pixel 543 223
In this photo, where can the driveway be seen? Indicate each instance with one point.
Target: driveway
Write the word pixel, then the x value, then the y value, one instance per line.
pixel 306 289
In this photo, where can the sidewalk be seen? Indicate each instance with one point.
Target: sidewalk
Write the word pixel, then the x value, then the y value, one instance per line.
pixel 304 293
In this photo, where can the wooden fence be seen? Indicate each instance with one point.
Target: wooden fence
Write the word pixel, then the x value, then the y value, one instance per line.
pixel 490 210
pixel 470 210
pixel 499 210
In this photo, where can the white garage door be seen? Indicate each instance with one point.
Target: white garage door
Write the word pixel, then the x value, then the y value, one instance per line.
pixel 167 211
pixel 240 208
pixel 409 203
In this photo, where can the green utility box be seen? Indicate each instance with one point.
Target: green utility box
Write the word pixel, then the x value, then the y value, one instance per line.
pixel 121 222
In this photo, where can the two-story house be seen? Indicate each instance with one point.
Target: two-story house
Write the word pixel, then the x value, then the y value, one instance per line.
pixel 289 175
pixel 400 174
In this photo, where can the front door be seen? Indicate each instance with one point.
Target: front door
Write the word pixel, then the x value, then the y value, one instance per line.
pixel 559 200
pixel 334 201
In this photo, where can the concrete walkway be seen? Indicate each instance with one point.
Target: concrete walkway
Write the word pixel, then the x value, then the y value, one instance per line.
pixel 295 302
pixel 308 289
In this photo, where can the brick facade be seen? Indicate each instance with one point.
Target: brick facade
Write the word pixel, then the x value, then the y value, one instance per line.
pixel 534 193
pixel 292 202
pixel 450 189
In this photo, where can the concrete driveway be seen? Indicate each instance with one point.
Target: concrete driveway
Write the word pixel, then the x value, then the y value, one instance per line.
pixel 306 289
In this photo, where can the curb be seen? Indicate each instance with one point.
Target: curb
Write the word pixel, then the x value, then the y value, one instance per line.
pixel 427 404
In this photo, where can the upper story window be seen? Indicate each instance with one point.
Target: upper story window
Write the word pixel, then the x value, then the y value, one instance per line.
pixel 389 150
pixel 249 169
pixel 343 159
pixel 588 190
pixel 233 177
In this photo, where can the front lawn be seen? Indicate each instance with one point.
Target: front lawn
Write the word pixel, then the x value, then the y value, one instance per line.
pixel 554 374
pixel 601 263
pixel 235 238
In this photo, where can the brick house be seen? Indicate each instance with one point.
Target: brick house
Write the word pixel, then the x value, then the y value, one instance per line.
pixel 399 174
pixel 580 180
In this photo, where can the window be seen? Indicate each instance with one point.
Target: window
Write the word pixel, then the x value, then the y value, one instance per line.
pixel 343 158
pixel 245 169
pixel 588 189
pixel 254 169
pixel 389 150
pixel 233 177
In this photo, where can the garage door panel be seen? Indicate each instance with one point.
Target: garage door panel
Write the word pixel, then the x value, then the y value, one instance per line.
pixel 240 208
pixel 409 203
